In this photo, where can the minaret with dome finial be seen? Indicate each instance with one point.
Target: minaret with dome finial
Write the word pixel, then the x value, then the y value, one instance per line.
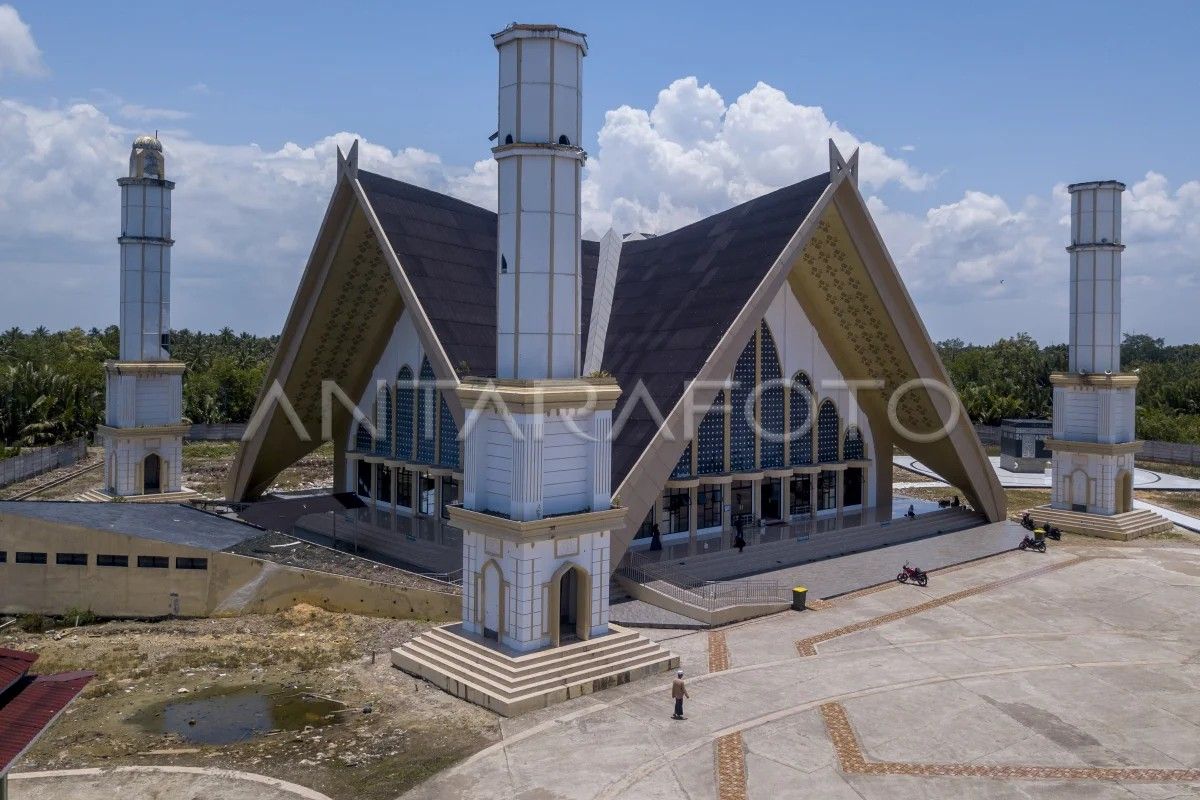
pixel 143 428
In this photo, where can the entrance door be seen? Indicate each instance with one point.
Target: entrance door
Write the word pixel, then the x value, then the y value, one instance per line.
pixel 568 601
pixel 1079 491
pixel 491 601
pixel 1124 492
pixel 769 498
pixel 150 474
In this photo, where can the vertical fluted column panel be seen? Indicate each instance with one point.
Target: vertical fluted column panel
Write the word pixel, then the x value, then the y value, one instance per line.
pixel 526 500
pixel 601 467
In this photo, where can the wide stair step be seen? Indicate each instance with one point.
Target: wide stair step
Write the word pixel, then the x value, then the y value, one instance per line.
pixel 512 684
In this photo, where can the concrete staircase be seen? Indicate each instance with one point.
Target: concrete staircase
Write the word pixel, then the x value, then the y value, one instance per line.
pixel 97 496
pixel 1122 527
pixel 508 683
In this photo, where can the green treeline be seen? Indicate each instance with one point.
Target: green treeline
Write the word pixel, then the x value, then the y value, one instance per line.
pixel 52 384
pixel 1011 378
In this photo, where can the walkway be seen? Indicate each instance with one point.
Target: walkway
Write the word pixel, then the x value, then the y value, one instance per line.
pixel 154 783
pixel 1011 677
pixel 1142 478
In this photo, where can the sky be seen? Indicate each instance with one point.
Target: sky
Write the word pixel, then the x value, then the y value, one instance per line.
pixel 971 119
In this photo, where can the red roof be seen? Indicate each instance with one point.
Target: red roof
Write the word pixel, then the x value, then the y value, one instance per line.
pixel 13 664
pixel 29 704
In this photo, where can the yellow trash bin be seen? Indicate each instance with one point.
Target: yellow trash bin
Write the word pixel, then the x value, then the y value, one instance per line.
pixel 799 594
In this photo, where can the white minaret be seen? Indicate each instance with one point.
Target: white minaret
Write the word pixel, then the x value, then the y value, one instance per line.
pixel 537 479
pixel 539 161
pixel 1094 402
pixel 143 430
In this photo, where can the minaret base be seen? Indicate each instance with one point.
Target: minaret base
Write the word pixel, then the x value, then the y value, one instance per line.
pixel 508 682
pixel 1120 527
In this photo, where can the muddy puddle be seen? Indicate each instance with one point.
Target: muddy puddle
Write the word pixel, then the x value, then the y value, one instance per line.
pixel 224 715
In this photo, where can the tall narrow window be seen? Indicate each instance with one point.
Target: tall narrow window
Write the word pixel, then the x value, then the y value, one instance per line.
pixel 710 455
pixel 827 432
pixel 801 419
pixel 405 397
pixel 447 435
pixel 426 418
pixel 853 448
pixel 741 423
pixel 771 424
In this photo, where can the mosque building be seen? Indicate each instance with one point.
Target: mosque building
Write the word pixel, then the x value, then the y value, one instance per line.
pixel 527 406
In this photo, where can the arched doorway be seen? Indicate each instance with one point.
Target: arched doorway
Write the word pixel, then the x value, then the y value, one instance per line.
pixel 151 474
pixel 491 612
pixel 570 604
pixel 1124 498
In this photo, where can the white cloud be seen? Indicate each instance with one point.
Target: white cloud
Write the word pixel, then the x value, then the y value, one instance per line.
pixel 19 54
pixel 245 216
pixel 691 155
pixel 200 87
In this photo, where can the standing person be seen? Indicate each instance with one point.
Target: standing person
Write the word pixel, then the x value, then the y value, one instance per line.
pixel 678 692
pixel 655 537
pixel 911 511
pixel 739 541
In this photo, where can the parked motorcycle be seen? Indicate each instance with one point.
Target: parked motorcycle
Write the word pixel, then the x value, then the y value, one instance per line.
pixel 1029 543
pixel 914 574
pixel 1053 533
pixel 1027 522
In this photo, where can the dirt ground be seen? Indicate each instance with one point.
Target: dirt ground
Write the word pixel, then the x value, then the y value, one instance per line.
pixel 412 730
pixel 206 466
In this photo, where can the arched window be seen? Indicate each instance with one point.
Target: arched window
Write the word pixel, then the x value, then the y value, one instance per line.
pixel 447 435
pixel 710 456
pixel 801 420
pixel 564 140
pixel 508 139
pixel 362 439
pixel 771 414
pixel 741 423
pixel 426 414
pixel 683 467
pixel 405 395
pixel 383 421
pixel 827 432
pixel 853 447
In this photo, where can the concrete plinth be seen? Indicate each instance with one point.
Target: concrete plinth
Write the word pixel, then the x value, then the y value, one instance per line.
pixel 1121 527
pixel 510 683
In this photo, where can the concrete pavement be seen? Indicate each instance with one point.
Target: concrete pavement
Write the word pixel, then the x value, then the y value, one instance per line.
pixel 154 783
pixel 1142 478
pixel 1068 674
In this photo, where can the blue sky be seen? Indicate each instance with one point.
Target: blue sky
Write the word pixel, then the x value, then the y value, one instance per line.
pixel 982 109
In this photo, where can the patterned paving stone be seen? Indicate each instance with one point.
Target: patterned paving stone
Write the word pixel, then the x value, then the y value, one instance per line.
pixel 808 646
pixel 718 651
pixel 731 767
pixel 852 760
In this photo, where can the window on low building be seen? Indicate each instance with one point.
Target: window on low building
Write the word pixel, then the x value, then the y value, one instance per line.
pixel 3 556
pixel 105 560
pixel 182 562
pixel 71 559
pixel 153 562
pixel 30 558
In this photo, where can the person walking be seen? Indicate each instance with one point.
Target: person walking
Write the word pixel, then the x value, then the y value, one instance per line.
pixel 739 541
pixel 655 537
pixel 678 692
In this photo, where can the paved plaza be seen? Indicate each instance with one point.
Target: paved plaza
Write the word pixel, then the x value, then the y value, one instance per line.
pixel 1070 674
pixel 1142 478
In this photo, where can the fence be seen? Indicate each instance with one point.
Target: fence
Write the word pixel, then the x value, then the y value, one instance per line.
pixel 43 459
pixel 1168 452
pixel 708 595
pixel 218 432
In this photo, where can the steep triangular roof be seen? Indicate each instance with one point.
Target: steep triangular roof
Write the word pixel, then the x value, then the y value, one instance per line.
pixel 685 304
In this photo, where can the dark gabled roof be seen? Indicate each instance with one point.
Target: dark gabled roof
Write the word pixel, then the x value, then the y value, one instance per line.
pixel 676 293
pixel 448 250
pixel 163 522
pixel 30 703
